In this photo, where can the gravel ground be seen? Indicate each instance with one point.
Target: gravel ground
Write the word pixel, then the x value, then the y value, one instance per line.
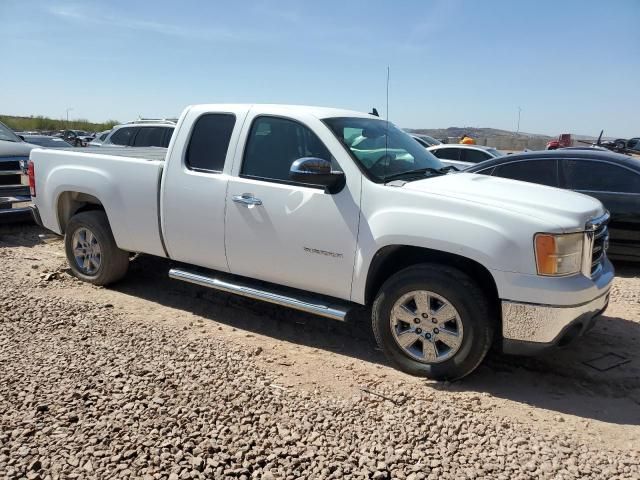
pixel 158 379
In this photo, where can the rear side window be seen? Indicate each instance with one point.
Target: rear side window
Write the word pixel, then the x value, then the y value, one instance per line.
pixel 544 172
pixel 123 136
pixel 447 153
pixel 597 176
pixel 209 142
pixel 474 156
pixel 149 137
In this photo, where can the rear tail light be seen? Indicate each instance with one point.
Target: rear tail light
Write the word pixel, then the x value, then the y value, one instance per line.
pixel 31 172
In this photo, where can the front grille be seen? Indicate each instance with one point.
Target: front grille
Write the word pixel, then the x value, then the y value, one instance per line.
pixel 10 179
pixel 600 244
pixel 9 165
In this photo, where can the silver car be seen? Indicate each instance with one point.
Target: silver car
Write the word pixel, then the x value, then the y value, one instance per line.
pixel 463 156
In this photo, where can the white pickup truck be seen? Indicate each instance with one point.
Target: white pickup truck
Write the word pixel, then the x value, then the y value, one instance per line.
pixel 327 210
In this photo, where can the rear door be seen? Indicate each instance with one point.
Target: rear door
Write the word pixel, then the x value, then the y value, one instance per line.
pixel 194 186
pixel 450 156
pixel 123 136
pixel 472 156
pixel 618 188
pixel 149 137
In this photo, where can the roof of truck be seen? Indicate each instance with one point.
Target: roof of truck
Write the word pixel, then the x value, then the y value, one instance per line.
pixel 319 112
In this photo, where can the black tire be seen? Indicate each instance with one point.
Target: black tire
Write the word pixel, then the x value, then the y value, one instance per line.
pixel 113 261
pixel 462 293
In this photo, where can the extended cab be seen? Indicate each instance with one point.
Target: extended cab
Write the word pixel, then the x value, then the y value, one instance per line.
pixel 327 210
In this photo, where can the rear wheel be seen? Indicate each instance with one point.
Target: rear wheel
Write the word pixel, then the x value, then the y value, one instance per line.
pixel 432 320
pixel 91 250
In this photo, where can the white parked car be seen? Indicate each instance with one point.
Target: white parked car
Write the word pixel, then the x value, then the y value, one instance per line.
pixel 99 139
pixel 141 133
pixel 463 156
pixel 328 211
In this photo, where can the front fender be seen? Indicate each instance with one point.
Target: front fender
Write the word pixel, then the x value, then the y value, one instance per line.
pixel 497 239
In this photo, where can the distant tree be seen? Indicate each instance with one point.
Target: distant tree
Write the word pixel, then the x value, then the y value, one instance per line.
pixel 41 123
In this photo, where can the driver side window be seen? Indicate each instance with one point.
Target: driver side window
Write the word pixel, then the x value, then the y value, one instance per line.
pixel 275 143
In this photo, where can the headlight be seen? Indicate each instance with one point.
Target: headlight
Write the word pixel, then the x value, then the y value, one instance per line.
pixel 559 254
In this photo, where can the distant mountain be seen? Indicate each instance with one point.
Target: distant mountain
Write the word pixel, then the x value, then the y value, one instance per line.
pixel 457 132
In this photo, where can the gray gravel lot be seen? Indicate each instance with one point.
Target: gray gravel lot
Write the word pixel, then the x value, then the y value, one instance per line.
pixel 154 379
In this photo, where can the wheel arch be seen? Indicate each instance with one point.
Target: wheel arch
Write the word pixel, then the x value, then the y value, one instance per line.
pixel 70 203
pixel 391 259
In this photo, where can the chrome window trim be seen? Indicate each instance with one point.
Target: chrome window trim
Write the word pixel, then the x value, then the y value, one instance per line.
pixel 604 191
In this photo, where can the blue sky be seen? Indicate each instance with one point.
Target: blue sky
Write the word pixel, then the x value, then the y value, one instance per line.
pixel 572 66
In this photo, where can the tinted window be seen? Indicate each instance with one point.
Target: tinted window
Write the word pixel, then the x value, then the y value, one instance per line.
pixel 474 156
pixel 122 136
pixel 209 142
pixel 634 144
pixel 168 133
pixel 447 153
pixel 149 137
pixel 544 172
pixel 600 177
pixel 275 143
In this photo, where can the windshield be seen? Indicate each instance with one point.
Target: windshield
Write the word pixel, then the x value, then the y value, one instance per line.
pixel 495 153
pixel 381 148
pixel 7 135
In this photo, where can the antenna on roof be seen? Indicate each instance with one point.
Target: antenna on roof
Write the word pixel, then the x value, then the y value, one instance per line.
pixel 374 112
pixel 388 69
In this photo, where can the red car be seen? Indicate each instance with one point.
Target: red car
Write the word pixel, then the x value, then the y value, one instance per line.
pixel 564 140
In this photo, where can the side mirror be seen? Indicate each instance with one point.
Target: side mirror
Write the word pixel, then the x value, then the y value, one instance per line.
pixel 22 138
pixel 317 171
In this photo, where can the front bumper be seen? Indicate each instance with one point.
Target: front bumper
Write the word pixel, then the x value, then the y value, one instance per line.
pixel 528 328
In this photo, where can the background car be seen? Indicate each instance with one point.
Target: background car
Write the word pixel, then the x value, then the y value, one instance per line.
pixel 463 156
pixel 425 140
pixel 141 133
pixel 612 178
pixel 46 141
pixel 77 138
pixel 99 138
pixel 14 191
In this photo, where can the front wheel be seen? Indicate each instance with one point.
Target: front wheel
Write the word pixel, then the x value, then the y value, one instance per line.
pixel 91 250
pixel 433 321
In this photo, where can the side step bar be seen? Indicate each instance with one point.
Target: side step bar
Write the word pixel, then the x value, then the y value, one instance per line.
pixel 305 304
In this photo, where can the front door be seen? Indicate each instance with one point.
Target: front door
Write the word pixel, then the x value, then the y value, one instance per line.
pixel 288 233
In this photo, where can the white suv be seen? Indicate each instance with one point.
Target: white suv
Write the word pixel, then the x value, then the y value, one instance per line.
pixel 141 133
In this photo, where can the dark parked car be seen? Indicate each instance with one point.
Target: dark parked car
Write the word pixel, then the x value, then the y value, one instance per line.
pixel 46 141
pixel 612 178
pixel 14 191
pixel 425 140
pixel 77 138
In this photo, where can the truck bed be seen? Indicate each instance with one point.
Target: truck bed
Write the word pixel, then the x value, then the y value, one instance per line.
pixel 125 180
pixel 145 153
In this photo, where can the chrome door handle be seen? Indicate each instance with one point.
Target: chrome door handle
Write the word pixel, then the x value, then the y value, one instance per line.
pixel 247 199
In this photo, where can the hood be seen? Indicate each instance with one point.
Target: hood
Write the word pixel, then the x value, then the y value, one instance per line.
pixel 15 149
pixel 565 209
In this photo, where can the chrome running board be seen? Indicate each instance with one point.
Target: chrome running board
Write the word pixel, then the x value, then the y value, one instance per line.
pixel 303 303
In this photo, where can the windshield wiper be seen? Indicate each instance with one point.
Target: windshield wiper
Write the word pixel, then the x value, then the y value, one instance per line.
pixel 418 173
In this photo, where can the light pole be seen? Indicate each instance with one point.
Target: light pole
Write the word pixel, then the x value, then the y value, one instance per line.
pixel 68 110
pixel 518 129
